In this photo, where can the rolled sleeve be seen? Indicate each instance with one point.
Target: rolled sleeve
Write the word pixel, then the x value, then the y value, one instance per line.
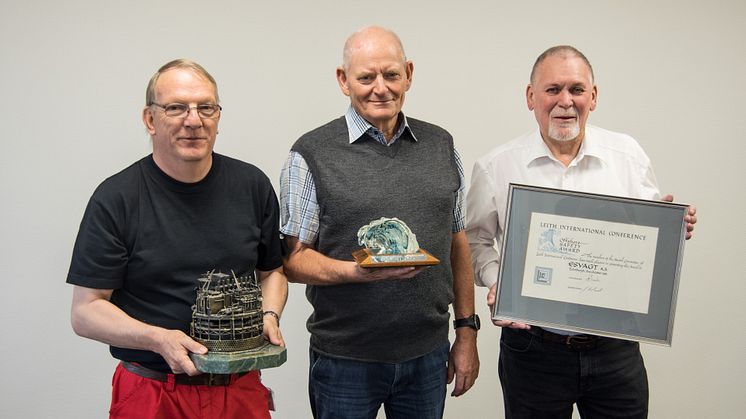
pixel 299 210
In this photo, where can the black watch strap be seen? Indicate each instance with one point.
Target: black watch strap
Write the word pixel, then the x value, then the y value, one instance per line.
pixel 471 321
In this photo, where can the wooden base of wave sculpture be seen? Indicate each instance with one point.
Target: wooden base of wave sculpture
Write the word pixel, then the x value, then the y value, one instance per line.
pixel 366 259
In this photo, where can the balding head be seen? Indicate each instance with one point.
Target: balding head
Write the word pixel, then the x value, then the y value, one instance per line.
pixel 371 37
pixel 183 64
pixel 565 51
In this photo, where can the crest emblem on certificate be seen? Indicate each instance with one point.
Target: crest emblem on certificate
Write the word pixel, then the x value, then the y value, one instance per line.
pixel 389 242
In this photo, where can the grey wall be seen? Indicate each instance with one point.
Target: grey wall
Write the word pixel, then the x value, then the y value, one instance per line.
pixel 670 73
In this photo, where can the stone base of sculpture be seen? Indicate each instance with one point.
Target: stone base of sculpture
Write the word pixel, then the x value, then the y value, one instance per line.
pixel 262 357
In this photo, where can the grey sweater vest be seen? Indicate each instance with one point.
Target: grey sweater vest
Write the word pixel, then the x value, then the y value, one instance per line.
pixel 415 181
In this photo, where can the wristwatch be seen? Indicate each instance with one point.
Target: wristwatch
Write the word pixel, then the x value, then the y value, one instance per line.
pixel 471 321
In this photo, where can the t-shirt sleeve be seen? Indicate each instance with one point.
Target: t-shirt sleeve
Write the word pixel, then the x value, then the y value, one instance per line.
pixel 269 252
pixel 99 257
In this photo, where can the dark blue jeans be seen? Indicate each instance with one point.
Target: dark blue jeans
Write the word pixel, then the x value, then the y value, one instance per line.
pixel 543 379
pixel 345 389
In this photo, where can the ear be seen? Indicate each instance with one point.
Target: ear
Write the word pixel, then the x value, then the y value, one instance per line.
pixel 530 97
pixel 409 70
pixel 147 119
pixel 342 80
pixel 594 96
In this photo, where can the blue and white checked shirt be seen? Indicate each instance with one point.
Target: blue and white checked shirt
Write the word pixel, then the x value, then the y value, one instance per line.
pixel 299 210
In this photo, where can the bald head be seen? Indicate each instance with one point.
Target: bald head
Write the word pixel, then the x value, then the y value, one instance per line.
pixel 371 37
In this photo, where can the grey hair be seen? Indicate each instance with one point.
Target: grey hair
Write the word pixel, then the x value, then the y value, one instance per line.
pixel 182 63
pixel 562 50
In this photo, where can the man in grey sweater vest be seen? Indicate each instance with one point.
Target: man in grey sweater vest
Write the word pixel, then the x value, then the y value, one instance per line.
pixel 379 335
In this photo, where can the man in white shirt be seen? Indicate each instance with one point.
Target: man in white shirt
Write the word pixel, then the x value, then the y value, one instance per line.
pixel 541 374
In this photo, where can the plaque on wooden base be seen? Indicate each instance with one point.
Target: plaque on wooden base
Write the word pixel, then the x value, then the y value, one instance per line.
pixel 367 259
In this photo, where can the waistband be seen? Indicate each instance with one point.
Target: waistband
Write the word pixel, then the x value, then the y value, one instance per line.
pixel 183 379
pixel 575 342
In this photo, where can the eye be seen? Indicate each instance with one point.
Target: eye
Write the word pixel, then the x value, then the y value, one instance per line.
pixel 175 108
pixel 365 78
pixel 207 109
pixel 577 90
pixel 553 90
pixel 392 75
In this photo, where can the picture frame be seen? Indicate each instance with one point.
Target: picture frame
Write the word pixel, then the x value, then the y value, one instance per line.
pixel 591 263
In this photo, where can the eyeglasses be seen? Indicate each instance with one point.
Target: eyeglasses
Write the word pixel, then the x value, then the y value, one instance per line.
pixel 181 110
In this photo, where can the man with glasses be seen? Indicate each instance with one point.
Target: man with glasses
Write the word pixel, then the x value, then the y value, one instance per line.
pixel 148 234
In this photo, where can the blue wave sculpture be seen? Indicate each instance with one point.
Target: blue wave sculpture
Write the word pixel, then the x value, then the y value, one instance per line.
pixel 389 236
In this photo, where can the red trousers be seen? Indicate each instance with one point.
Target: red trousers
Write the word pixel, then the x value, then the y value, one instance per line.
pixel 138 397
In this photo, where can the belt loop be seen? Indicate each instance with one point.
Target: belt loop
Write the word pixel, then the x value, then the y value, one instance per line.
pixel 170 383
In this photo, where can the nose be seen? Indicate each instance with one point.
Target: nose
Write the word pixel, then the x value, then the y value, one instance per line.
pixel 565 99
pixel 192 119
pixel 379 86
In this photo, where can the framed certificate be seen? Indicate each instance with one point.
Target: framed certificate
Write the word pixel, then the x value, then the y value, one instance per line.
pixel 591 263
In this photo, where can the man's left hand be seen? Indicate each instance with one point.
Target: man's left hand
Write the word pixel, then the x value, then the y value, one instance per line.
pixel 463 362
pixel 272 332
pixel 690 217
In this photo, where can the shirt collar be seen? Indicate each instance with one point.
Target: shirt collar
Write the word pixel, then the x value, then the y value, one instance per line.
pixel 590 146
pixel 357 126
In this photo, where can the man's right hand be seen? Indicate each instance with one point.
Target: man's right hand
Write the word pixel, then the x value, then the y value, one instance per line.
pixel 502 323
pixel 305 265
pixel 383 274
pixel 174 346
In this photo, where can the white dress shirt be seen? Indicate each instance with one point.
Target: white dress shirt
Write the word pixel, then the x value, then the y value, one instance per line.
pixel 608 163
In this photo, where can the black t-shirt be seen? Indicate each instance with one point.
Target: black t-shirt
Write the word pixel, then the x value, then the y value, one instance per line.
pixel 149 237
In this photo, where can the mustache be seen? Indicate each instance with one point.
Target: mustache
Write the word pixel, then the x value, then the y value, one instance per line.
pixel 563 113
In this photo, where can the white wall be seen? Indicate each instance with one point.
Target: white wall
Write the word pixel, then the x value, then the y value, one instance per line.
pixel 670 73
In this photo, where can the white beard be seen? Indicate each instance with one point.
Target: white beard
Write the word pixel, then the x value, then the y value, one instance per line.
pixel 564 134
